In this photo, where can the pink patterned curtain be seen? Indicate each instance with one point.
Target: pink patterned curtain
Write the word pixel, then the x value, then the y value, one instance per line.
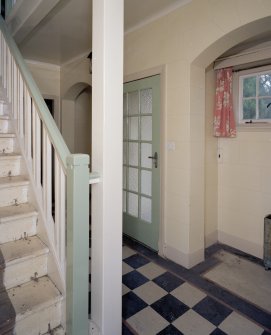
pixel 224 123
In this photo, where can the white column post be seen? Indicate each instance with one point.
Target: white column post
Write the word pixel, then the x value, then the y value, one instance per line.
pixel 107 92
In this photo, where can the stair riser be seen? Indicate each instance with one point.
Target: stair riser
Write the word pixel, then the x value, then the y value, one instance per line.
pixel 37 323
pixel 11 195
pixel 9 230
pixel 10 167
pixel 20 273
pixel 4 126
pixel 3 108
pixel 6 145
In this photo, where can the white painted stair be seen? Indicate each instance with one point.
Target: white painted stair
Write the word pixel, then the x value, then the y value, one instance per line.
pixel 30 303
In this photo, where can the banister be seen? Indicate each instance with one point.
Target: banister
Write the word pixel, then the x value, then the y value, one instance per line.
pixel 67 226
pixel 47 119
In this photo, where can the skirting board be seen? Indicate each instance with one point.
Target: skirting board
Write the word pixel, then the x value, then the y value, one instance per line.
pixel 211 239
pixel 186 260
pixel 241 244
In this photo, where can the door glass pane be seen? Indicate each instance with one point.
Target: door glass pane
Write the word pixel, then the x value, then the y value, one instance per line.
pixel 125 103
pixel 146 151
pixel 146 128
pixel 124 176
pixel 133 154
pixel 133 179
pixel 146 184
pixel 124 202
pixel 133 204
pixel 133 128
pixel 133 103
pixel 124 152
pixel 125 128
pixel 146 101
pixel 146 212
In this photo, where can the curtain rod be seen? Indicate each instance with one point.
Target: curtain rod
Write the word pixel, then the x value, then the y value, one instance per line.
pixel 251 67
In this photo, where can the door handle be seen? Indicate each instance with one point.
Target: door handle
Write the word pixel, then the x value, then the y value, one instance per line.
pixel 154 159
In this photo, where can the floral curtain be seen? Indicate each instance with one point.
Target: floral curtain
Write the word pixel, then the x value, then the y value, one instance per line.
pixel 224 123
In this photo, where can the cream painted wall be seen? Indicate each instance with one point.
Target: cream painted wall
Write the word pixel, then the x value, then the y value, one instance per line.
pixel 47 77
pixel 82 142
pixel 74 78
pixel 244 190
pixel 76 71
pixel 68 123
pixel 211 165
pixel 185 42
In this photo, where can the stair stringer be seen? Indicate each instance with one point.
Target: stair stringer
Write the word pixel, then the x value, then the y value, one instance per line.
pixel 35 197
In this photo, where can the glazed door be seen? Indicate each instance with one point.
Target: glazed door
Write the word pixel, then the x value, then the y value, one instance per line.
pixel 141 160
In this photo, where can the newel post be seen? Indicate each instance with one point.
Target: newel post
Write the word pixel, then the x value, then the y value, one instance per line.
pixel 77 244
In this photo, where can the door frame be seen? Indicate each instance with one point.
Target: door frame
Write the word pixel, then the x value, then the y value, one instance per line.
pixel 160 70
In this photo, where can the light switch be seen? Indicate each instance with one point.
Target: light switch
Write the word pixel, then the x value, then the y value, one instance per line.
pixel 171 146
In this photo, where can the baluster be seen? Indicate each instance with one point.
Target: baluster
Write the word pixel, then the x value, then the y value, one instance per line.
pixel 36 145
pixel 27 115
pixel 59 209
pixel 5 64
pixel 1 54
pixel 21 104
pixel 14 92
pixel 9 75
pixel 47 174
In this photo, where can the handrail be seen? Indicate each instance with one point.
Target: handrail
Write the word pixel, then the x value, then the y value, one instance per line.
pixel 53 131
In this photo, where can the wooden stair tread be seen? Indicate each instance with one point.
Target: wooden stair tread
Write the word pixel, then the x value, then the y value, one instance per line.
pixel 20 250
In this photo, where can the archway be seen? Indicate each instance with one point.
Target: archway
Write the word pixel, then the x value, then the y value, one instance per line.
pixel 216 212
pixel 76 118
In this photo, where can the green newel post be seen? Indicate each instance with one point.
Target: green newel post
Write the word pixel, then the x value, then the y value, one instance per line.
pixel 77 244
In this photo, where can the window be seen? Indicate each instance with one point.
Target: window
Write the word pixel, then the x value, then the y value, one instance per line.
pixel 255 97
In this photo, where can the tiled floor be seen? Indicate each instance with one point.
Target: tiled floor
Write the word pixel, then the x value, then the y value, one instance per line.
pixel 160 297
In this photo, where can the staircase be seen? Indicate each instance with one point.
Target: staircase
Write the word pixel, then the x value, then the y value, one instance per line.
pixel 30 303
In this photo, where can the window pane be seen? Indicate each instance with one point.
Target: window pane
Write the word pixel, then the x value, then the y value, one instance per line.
pixel 146 128
pixel 265 108
pixel 124 153
pixel 133 179
pixel 249 109
pixel 249 87
pixel 146 182
pixel 133 103
pixel 146 101
pixel 146 151
pixel 125 103
pixel 133 154
pixel 146 209
pixel 125 128
pixel 124 177
pixel 133 204
pixel 133 128
pixel 265 85
pixel 124 202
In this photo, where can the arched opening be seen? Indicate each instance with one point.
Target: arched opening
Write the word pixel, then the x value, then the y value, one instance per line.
pixel 230 192
pixel 76 118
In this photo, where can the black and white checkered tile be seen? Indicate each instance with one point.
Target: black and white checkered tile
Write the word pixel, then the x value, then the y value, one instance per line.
pixel 157 301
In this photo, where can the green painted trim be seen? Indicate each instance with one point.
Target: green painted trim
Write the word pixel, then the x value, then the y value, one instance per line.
pixel 46 117
pixel 145 232
pixel 8 7
pixel 77 244
pixel 94 175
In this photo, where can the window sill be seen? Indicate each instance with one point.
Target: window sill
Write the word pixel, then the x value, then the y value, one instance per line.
pixel 254 127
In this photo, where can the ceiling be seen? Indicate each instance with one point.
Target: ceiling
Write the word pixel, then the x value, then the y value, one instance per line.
pixel 66 32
